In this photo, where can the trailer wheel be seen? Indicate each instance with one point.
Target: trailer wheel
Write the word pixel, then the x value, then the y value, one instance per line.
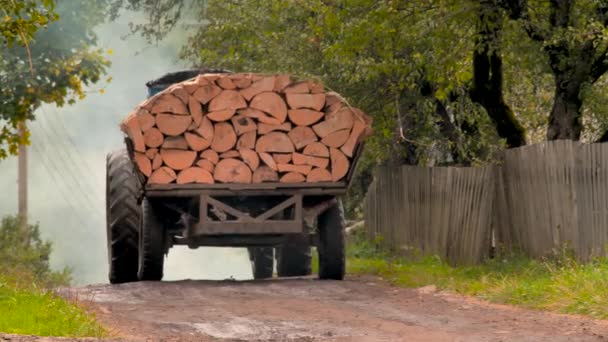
pixel 151 244
pixel 294 257
pixel 262 262
pixel 123 215
pixel 331 243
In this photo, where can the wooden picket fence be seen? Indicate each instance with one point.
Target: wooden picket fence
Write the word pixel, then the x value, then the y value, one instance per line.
pixel 542 199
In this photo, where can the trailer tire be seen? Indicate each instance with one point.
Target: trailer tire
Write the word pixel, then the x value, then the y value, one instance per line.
pixel 123 215
pixel 294 257
pixel 262 262
pixel 151 244
pixel 331 243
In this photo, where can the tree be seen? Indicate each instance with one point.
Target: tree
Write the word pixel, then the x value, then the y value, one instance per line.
pixel 574 38
pixel 22 18
pixel 57 64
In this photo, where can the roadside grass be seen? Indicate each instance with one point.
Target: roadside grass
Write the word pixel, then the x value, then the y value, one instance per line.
pixel 33 311
pixel 28 305
pixel 559 284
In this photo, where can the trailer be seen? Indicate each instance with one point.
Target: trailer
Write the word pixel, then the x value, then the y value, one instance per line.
pixel 273 220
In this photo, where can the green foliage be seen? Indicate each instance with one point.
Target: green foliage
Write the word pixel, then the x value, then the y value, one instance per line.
pixel 24 256
pixel 558 284
pixel 34 312
pixel 20 19
pixel 55 66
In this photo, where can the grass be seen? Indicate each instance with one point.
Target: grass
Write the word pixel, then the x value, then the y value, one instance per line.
pixel 560 284
pixel 33 311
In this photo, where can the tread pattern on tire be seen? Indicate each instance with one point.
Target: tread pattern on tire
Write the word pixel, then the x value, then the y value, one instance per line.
pixel 151 245
pixel 123 215
pixel 294 257
pixel 331 225
pixel 262 262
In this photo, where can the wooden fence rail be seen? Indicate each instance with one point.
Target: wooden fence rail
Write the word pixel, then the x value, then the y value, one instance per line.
pixel 542 198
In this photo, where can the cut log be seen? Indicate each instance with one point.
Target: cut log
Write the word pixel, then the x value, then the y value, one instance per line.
pixel 167 103
pixel 221 115
pixel 250 157
pixel 178 159
pixel 191 86
pixel 281 82
pixel 265 174
pixel 339 164
pixel 180 92
pixel 201 80
pixel 143 163
pixel 227 99
pixel 243 124
pixel 331 98
pixel 163 175
pixel 301 159
pixel 316 149
pixel 205 165
pixel 297 88
pixel 153 138
pixel 206 93
pixel 312 101
pixel 241 82
pixel 316 87
pixel 224 137
pixel 151 153
pixel 196 111
pixel 259 115
pixel 206 129
pixel 196 142
pixel 146 120
pixel 263 85
pixel 194 175
pixel 270 103
pixel 302 136
pixel 157 162
pixel 293 177
pixel 303 169
pixel 274 142
pixel 173 125
pixel 210 155
pixel 318 175
pixel 333 109
pixel 265 128
pixel 225 83
pixel 247 140
pixel 304 117
pixel 349 146
pixel 337 138
pixel 177 143
pixel 232 171
pixel 131 127
pixel 282 158
pixel 343 119
pixel 268 160
pixel 230 154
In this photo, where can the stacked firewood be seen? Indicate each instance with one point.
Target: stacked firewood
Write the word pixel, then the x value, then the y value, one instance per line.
pixel 245 128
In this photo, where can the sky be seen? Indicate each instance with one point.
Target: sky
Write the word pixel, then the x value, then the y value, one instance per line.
pixel 67 165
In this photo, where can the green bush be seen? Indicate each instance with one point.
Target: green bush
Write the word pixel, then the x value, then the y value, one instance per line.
pixel 24 256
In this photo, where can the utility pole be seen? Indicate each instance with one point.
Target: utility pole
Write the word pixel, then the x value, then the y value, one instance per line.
pixel 22 178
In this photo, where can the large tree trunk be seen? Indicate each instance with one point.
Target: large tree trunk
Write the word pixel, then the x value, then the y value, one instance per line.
pixel 565 122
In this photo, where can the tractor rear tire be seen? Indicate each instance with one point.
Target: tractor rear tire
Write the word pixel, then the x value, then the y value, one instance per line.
pixel 294 257
pixel 123 215
pixel 262 262
pixel 151 244
pixel 331 226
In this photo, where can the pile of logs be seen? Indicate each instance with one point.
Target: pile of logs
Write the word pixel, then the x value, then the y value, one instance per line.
pixel 245 128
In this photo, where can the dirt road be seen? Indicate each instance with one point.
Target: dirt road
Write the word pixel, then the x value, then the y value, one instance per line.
pixel 362 309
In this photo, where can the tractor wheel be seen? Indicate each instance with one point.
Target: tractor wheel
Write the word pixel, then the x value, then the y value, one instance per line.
pixel 123 214
pixel 151 244
pixel 331 243
pixel 294 257
pixel 262 262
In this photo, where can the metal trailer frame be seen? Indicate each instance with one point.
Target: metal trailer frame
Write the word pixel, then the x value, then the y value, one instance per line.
pixel 222 224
